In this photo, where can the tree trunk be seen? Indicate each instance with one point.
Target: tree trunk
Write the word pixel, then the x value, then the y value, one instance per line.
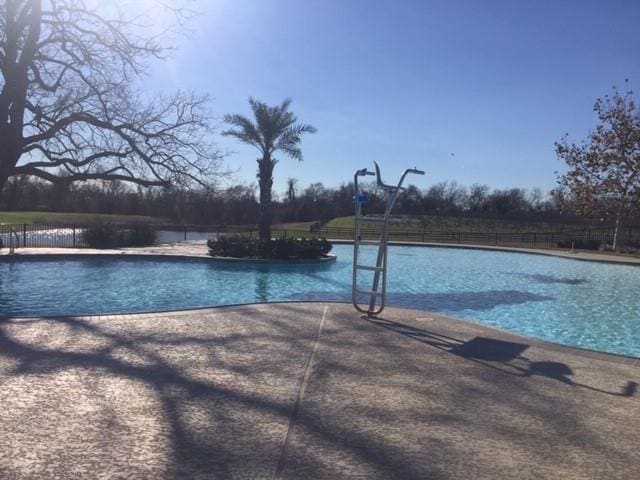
pixel 9 156
pixel 265 181
pixel 615 232
pixel 4 176
pixel 22 29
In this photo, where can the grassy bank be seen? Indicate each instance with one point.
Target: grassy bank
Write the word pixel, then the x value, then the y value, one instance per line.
pixel 74 218
pixel 466 224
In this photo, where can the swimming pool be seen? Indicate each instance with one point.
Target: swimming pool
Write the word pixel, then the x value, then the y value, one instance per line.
pixel 586 304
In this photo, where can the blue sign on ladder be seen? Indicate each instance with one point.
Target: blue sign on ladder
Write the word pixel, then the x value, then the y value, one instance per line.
pixel 361 198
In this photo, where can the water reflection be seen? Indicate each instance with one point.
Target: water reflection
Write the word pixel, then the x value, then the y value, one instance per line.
pixel 262 287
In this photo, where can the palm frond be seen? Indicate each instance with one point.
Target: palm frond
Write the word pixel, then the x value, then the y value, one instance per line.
pixel 293 151
pixel 246 132
pixel 275 128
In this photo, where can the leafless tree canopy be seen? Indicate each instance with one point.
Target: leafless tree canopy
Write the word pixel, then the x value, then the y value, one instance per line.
pixel 70 109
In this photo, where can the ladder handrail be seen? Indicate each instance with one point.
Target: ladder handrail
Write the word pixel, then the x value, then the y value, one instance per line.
pixel 12 247
pixel 356 230
pixel 381 260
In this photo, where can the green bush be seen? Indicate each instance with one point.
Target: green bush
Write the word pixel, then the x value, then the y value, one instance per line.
pixel 315 227
pixel 238 246
pixel 580 244
pixel 101 235
pixel 630 248
pixel 234 246
pixel 108 235
pixel 138 236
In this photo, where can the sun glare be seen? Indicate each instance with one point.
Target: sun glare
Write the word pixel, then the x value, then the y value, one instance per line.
pixel 151 13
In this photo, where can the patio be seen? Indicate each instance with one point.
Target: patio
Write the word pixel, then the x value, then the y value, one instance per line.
pixel 307 390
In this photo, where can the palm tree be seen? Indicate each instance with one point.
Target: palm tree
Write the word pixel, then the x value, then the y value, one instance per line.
pixel 291 188
pixel 275 129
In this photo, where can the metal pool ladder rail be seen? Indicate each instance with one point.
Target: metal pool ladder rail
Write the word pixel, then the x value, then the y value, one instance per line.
pixel 377 295
pixel 13 237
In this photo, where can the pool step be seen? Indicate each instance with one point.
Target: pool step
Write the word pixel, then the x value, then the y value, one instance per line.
pixel 375 243
pixel 367 267
pixel 368 292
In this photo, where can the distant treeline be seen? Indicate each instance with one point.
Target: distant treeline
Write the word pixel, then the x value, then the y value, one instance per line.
pixel 239 205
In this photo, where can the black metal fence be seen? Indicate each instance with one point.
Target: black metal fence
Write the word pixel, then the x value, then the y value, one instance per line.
pixel 25 235
pixel 36 235
pixel 70 235
pixel 581 237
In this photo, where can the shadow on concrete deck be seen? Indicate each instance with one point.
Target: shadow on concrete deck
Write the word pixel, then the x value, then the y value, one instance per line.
pixel 493 353
pixel 211 394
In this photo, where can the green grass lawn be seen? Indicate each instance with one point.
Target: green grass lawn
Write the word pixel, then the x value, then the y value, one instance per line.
pixel 293 226
pixel 73 218
pixel 464 224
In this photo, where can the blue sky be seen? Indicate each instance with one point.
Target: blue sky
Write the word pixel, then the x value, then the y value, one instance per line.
pixel 471 91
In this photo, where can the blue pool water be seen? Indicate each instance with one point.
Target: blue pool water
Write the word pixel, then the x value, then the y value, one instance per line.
pixel 585 304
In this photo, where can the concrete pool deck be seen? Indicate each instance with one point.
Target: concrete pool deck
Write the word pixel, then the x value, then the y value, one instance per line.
pixel 307 390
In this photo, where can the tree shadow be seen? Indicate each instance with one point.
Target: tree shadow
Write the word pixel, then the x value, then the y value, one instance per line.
pixel 161 362
pixel 174 387
pixel 148 360
pixel 549 279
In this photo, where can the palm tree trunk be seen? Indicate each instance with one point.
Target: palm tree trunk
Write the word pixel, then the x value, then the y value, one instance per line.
pixel 265 181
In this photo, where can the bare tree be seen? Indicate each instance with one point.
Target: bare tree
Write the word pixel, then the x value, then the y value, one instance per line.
pixel 70 110
pixel 604 171
pixel 478 195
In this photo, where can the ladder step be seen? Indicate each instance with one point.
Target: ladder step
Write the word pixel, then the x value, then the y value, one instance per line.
pixel 370 242
pixel 367 292
pixel 367 267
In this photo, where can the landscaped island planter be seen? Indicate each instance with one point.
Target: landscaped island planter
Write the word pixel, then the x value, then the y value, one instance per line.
pixel 238 248
pixel 295 261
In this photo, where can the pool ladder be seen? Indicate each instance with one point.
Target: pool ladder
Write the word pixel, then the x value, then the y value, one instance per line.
pixel 14 241
pixel 377 295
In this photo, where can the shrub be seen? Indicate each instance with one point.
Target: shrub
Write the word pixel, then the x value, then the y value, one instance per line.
pixel 107 235
pixel 630 248
pixel 580 244
pixel 138 236
pixel 315 227
pixel 238 246
pixel 233 246
pixel 101 235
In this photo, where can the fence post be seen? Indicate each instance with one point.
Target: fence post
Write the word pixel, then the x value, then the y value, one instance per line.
pixel 459 238
pixel 185 233
pixel 534 239
pixel 24 235
pixel 551 245
pixel 74 236
pixel 496 238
